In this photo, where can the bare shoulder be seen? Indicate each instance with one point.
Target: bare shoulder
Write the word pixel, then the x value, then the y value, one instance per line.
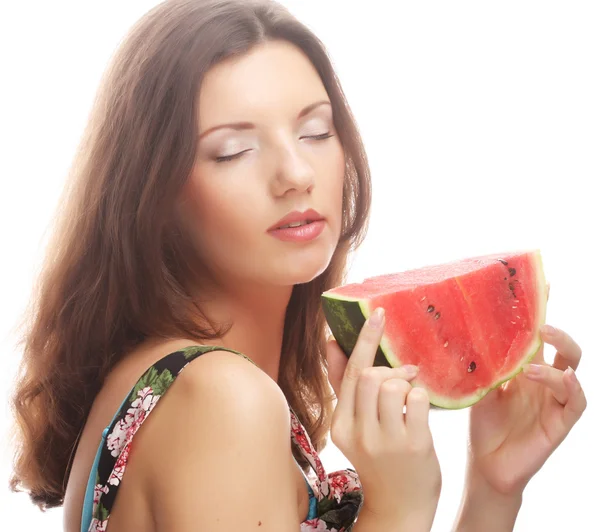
pixel 232 385
pixel 219 439
pixel 215 371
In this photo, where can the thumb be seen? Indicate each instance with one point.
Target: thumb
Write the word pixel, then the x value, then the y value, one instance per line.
pixel 336 364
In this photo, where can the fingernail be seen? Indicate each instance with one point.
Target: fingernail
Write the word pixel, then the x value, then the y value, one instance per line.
pixel 376 319
pixel 532 369
pixel 548 330
pixel 572 376
pixel 410 369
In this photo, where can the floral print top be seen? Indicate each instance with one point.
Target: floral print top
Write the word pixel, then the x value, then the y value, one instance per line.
pixel 334 499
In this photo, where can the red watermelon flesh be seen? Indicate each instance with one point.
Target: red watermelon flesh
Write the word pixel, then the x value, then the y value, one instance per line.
pixel 468 325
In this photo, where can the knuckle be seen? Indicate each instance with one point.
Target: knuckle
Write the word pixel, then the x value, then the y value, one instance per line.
pixel 418 394
pixel 352 371
pixel 369 376
pixel 395 386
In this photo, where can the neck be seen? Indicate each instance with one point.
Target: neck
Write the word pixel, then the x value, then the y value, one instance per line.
pixel 257 316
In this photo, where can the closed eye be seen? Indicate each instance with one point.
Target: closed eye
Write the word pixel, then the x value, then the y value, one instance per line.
pixel 323 136
pixel 226 158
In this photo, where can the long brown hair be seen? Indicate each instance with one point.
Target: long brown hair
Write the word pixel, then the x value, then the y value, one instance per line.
pixel 115 270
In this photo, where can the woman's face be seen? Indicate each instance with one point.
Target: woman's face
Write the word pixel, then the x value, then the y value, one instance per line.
pixel 267 147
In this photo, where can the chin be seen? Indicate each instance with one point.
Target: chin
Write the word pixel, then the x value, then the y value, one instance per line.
pixel 305 273
pixel 301 271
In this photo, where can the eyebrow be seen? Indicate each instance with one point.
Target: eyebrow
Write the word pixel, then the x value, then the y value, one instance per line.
pixel 241 126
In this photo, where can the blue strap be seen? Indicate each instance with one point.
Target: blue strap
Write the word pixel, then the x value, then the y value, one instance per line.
pixel 88 502
pixel 312 499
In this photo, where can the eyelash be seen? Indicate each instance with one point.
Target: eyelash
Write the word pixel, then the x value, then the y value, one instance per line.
pixel 226 158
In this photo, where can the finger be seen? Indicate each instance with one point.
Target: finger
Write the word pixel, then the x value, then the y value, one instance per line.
pixel 550 377
pixel 417 414
pixel 367 391
pixel 362 357
pixel 392 398
pixel 576 402
pixel 371 384
pixel 568 352
pixel 336 364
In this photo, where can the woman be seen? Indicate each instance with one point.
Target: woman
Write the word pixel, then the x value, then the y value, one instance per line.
pixel 219 186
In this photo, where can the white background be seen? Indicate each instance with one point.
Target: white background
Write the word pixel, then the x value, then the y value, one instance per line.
pixel 482 124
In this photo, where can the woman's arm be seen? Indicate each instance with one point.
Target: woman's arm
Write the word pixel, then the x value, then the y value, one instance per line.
pixel 514 430
pixel 482 508
pixel 218 451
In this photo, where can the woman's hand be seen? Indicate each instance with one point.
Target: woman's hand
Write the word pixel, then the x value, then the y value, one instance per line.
pixel 516 427
pixel 392 452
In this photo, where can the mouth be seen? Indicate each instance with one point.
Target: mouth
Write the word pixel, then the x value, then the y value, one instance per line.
pixel 297 219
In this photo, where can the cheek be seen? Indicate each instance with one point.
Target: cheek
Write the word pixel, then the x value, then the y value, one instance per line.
pixel 219 212
pixel 334 185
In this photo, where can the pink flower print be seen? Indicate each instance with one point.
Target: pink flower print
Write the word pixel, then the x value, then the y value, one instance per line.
pixel 319 466
pixel 99 489
pixel 324 490
pixel 128 426
pixel 115 441
pixel 145 400
pixel 116 475
pixel 339 485
pixel 316 525
pixel 300 437
pixel 98 526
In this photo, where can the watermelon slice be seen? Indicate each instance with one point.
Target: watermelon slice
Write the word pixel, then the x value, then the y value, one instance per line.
pixel 469 325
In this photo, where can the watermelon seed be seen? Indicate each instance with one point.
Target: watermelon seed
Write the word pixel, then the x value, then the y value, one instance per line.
pixel 437 316
pixel 505 279
pixel 472 367
pixel 514 322
pixel 446 344
pixel 512 271
pixel 511 286
pixel 430 308
pixel 503 262
pixel 423 298
pixel 515 307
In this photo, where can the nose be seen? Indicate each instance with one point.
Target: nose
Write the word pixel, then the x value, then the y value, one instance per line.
pixel 293 172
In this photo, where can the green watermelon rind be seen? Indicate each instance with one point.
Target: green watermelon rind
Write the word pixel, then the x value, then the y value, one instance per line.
pixel 346 316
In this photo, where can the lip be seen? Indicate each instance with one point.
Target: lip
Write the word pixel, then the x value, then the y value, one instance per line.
pixel 296 216
pixel 302 233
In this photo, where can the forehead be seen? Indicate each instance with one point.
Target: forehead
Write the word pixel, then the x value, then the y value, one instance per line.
pixel 271 80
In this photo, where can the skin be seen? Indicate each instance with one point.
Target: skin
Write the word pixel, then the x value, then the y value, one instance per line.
pixel 512 432
pixel 228 208
pixel 224 416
